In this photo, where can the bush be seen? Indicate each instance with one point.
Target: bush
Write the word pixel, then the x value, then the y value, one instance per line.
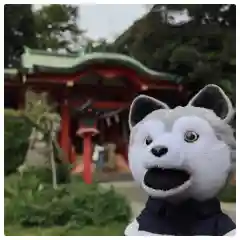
pixel 113 229
pixel 228 194
pixel 16 134
pixel 30 203
pixel 44 175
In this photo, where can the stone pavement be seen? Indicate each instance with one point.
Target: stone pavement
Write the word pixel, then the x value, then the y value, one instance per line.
pixel 137 197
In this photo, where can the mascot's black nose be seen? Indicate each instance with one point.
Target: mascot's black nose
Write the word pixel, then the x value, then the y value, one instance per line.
pixel 159 151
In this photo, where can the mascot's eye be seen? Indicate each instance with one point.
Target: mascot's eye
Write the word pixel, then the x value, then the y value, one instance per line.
pixel 191 136
pixel 148 140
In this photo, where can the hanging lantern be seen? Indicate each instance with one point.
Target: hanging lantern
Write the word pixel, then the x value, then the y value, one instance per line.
pixel 24 78
pixel 108 120
pixel 116 117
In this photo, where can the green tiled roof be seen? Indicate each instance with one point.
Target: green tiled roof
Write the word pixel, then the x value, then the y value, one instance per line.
pixel 10 73
pixel 57 63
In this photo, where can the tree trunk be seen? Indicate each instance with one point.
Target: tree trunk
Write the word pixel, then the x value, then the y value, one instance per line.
pixel 53 164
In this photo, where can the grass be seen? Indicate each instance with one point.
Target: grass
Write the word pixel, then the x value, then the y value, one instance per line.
pixel 114 229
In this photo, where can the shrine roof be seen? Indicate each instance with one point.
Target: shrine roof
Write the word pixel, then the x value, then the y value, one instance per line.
pixel 37 61
pixel 10 73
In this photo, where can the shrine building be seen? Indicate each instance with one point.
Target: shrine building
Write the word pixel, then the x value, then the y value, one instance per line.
pixel 93 93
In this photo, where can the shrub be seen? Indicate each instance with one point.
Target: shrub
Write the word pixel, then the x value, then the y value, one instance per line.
pixel 16 134
pixel 30 203
pixel 113 229
pixel 228 194
pixel 44 175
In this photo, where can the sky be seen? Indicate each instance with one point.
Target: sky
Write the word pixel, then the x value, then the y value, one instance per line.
pixel 109 21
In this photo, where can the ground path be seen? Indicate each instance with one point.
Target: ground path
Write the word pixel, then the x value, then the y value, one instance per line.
pixel 137 197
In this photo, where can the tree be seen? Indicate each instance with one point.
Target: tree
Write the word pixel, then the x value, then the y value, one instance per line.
pixel 52 27
pixel 56 27
pixel 19 30
pixel 202 48
pixel 41 115
pixel 99 45
pixel 224 14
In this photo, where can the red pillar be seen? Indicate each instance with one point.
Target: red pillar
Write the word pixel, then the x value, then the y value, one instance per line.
pixel 87 158
pixel 65 124
pixel 73 156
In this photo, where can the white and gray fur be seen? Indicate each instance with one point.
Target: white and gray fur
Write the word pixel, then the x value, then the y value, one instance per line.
pixel 209 160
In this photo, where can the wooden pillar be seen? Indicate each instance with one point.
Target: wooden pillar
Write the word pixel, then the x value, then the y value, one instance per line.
pixel 21 98
pixel 65 124
pixel 87 158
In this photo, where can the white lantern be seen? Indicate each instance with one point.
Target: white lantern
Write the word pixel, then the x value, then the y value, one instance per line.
pixel 116 117
pixel 108 120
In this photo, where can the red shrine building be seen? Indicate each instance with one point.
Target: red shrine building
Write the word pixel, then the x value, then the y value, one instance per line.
pixel 93 92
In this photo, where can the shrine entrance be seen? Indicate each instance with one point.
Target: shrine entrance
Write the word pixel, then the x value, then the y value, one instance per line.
pixel 93 93
pixel 105 129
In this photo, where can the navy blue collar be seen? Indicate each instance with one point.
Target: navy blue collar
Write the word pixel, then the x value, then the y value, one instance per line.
pixel 190 208
pixel 186 219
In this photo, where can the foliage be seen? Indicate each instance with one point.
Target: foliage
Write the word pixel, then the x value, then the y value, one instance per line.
pixel 228 194
pixel 54 26
pixel 37 104
pixel 18 31
pixel 112 229
pixel 40 114
pixel 31 203
pixel 202 48
pixel 44 175
pixel 100 45
pixel 16 134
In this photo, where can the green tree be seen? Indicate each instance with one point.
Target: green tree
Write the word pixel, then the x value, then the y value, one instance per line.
pixel 99 45
pixel 56 27
pixel 202 49
pixel 19 30
pixel 53 26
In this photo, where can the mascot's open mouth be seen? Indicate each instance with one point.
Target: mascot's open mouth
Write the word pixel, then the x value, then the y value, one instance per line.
pixel 165 179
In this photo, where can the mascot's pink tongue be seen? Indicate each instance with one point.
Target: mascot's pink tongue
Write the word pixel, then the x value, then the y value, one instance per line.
pixel 165 179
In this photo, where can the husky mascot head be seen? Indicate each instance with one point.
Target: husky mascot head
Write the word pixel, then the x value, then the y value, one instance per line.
pixel 185 152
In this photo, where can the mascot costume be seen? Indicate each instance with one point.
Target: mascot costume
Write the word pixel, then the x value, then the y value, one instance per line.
pixel 182 158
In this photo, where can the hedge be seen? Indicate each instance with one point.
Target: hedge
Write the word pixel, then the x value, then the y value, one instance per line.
pixel 16 135
pixel 32 203
pixel 228 194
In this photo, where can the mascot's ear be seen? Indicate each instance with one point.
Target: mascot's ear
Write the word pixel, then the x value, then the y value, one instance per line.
pixel 213 97
pixel 141 107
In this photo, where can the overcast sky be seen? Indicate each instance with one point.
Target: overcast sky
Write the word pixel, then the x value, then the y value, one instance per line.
pixel 108 21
